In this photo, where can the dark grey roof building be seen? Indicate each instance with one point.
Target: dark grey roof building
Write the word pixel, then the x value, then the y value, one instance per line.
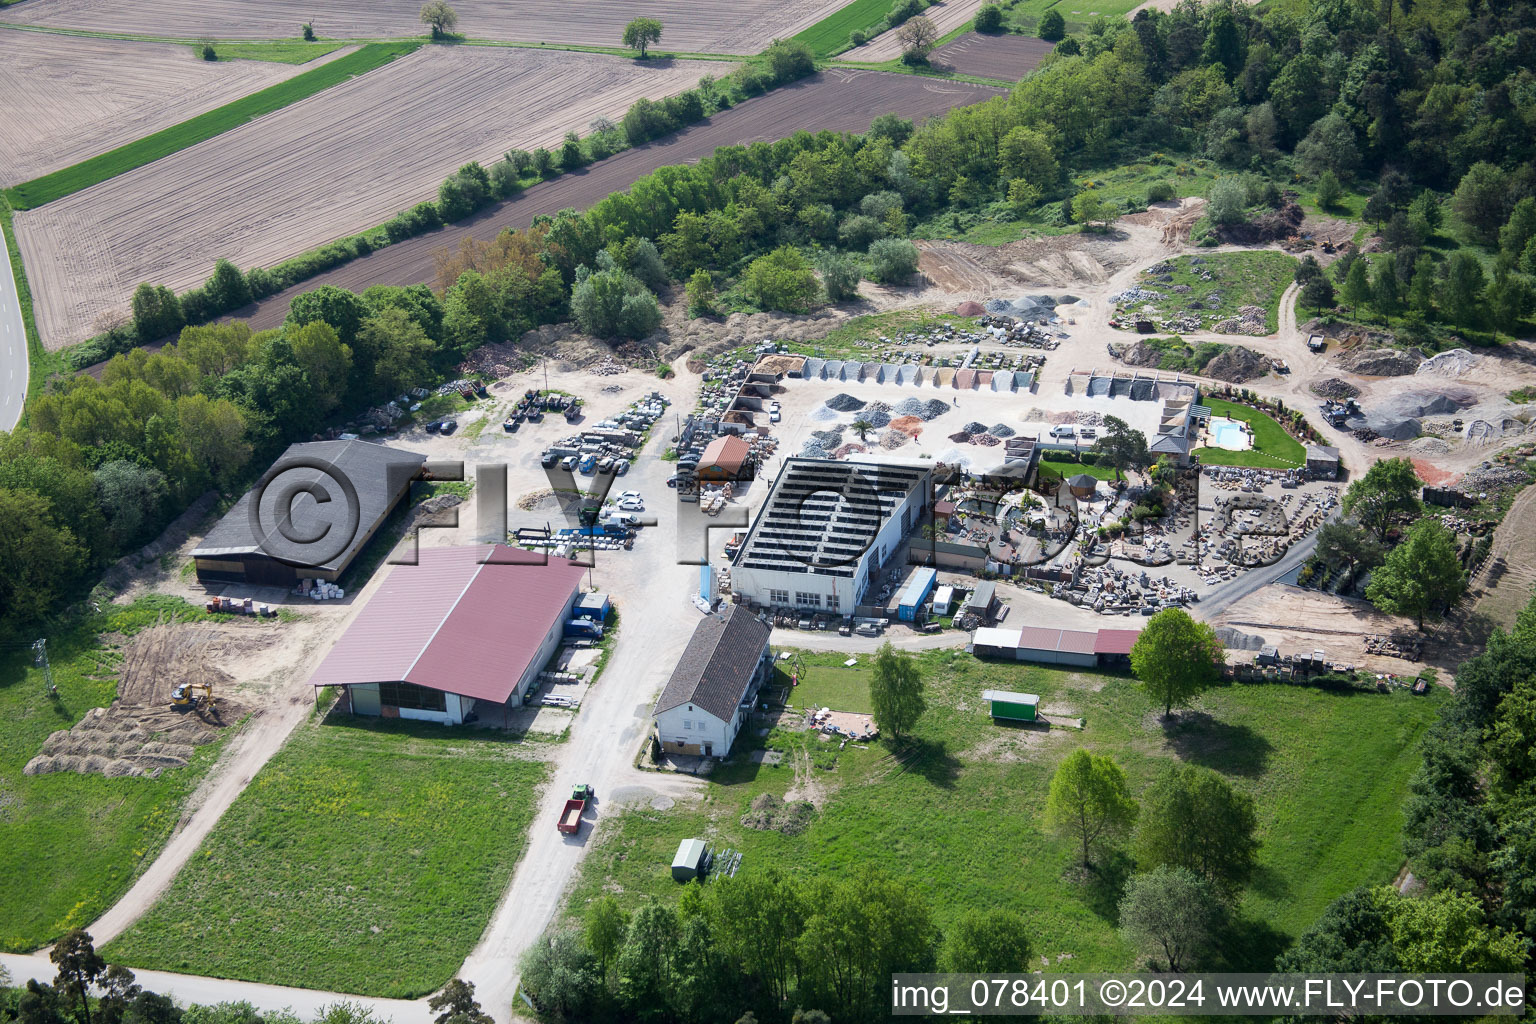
pixel 309 515
pixel 700 709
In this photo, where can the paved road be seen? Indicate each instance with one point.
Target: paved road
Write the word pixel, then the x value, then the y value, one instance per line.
pixel 13 347
pixel 1223 597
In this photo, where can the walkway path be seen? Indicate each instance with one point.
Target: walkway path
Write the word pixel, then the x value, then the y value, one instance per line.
pixel 13 346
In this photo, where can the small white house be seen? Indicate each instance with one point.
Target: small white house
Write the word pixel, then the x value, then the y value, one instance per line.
pixel 707 700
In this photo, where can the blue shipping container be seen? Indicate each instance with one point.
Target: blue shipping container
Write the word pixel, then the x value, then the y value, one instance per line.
pixel 918 589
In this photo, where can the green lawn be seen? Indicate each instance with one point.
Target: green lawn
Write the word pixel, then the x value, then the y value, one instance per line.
pixel 830 34
pixel 833 686
pixel 1256 278
pixel 1066 469
pixel 281 51
pixel 366 857
pixel 125 158
pixel 1272 446
pixel 962 821
pixel 71 844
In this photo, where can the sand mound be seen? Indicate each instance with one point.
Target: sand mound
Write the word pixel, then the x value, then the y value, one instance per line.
pixel 1456 362
pixel 1382 362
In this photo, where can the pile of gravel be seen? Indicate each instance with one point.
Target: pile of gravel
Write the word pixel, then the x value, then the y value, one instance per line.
pixel 893 439
pixel 1333 387
pixel 844 403
pixel 928 410
pixel 985 440
pixel 821 414
pixel 1234 640
pixel 1001 430
pixel 877 414
pixel 975 427
pixel 962 437
pixel 827 438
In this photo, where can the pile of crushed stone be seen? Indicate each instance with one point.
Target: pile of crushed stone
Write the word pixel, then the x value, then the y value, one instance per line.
pixel 928 410
pixel 844 403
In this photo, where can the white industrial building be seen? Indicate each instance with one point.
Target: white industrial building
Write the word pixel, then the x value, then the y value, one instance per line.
pixel 824 528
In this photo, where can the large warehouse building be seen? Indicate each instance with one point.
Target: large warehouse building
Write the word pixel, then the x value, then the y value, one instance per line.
pixel 1047 646
pixel 824 527
pixel 464 625
pixel 321 486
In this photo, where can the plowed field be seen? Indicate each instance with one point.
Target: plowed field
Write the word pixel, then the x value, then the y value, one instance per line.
pixel 837 100
pixel 326 167
pixel 741 26
pixel 946 15
pixel 1007 58
pixel 66 98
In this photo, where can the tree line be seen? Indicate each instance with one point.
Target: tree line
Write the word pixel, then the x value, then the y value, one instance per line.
pixel 1468 831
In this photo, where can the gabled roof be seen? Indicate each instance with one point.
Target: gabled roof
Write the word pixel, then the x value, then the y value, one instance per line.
pixel 1170 444
pixel 1115 641
pixel 376 473
pixel 465 620
pixel 717 664
pixel 727 451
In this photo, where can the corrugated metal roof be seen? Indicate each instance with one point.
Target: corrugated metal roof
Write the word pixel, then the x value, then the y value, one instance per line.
pixel 727 451
pixel 990 636
pixel 1039 638
pixel 917 587
pixel 465 620
pixel 1010 696
pixel 1115 641
pixel 1076 641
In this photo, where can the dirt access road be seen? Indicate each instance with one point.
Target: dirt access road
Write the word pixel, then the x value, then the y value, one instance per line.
pixel 838 100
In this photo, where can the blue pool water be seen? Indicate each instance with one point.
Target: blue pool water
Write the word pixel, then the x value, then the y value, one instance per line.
pixel 1229 434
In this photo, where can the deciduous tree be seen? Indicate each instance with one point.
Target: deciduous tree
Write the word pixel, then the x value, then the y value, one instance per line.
pixel 1121 447
pixel 1389 489
pixel 1420 574
pixel 440 17
pixel 1176 657
pixel 1170 911
pixel 1192 818
pixel 986 941
pixel 1089 801
pixel 917 37
pixel 896 691
pixel 641 33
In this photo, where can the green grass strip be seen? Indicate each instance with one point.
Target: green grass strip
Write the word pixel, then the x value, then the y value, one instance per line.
pixel 41 363
pixel 70 180
pixel 282 51
pixel 830 34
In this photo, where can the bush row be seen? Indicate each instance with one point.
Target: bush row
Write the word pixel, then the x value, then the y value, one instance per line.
pixel 158 312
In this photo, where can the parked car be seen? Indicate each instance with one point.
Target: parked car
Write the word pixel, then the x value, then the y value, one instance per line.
pixel 672 480
pixel 631 505
pixel 568 463
pixel 621 467
pixel 432 427
pixel 548 459
pixel 623 495
pixel 773 417
pixel 448 426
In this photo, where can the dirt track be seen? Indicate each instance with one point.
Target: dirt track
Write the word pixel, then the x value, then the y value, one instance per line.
pixel 745 26
pixel 1005 57
pixel 836 100
pixel 336 163
pixel 66 98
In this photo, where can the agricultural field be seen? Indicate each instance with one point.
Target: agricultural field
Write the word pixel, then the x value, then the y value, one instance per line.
pixel 366 857
pixel 1079 14
pixel 66 98
pixel 962 821
pixel 293 180
pixel 946 15
pixel 838 100
pixel 689 25
pixel 72 842
pixel 1006 58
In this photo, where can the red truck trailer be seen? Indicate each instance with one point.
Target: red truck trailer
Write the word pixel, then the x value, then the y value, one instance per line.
pixel 570 815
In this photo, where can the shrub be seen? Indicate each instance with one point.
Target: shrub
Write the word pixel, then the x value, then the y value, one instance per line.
pixel 839 275
pixel 571 156
pixel 701 294
pixel 781 280
pixel 857 38
pixel 209 53
pixel 1160 192
pixel 1228 201
pixel 309 32
pixel 858 231
pixel 543 162
pixel 1052 26
pixel 891 260
pixel 612 302
pixel 645 120
pixel 419 219
pixel 260 282
pixel 989 18
pixel 504 179
pixel 788 60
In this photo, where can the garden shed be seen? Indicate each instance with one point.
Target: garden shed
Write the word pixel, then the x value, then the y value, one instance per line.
pixel 1011 706
pixel 688 864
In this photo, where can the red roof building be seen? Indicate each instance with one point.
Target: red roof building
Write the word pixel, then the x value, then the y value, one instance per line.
pixel 462 626
pixel 724 458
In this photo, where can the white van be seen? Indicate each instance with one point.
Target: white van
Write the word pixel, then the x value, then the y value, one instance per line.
pixel 1064 432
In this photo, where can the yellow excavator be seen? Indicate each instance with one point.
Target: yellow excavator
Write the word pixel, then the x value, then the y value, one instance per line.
pixel 190 695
